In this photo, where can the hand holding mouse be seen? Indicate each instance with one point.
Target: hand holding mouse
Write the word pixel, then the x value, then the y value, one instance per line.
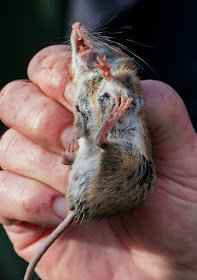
pixel 154 241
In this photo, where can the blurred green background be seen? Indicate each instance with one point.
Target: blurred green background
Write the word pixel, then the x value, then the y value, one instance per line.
pixel 26 27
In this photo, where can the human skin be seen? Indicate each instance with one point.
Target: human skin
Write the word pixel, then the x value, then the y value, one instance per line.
pixel 156 241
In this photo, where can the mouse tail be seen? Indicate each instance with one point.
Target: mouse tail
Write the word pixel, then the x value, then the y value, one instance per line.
pixel 49 241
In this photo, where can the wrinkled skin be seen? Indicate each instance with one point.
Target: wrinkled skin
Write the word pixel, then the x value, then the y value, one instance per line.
pixel 157 240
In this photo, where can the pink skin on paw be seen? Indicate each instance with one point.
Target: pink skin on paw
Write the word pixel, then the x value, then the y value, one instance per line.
pixel 72 143
pixel 104 69
pixel 112 118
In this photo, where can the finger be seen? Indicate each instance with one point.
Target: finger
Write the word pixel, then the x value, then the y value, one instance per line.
pixel 76 145
pixel 68 149
pixel 68 146
pixel 24 107
pixel 128 102
pixel 71 146
pixel 107 111
pixel 171 129
pixel 122 101
pixel 99 60
pixel 23 235
pixel 99 67
pixel 116 103
pixel 31 201
pixel 20 155
pixel 49 70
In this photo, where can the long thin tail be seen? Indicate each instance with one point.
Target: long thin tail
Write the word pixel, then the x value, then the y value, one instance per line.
pixel 52 237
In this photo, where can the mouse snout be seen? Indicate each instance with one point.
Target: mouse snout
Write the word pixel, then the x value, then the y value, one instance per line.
pixel 76 25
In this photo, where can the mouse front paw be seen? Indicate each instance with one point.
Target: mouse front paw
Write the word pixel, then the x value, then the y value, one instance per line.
pixel 104 69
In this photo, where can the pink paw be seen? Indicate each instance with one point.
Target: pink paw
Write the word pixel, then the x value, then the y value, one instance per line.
pixel 72 143
pixel 104 69
pixel 112 118
pixel 119 109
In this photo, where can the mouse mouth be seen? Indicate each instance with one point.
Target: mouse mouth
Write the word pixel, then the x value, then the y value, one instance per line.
pixel 80 40
pixel 82 45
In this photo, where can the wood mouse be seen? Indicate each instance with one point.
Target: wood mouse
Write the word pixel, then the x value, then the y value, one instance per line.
pixel 109 150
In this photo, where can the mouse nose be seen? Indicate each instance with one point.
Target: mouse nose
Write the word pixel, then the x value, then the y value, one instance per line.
pixel 76 25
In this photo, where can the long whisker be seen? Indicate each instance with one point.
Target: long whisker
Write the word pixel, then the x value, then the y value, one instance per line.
pixel 129 51
pixel 109 21
pixel 96 23
pixel 139 44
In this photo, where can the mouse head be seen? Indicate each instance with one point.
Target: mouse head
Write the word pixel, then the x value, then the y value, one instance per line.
pixel 86 48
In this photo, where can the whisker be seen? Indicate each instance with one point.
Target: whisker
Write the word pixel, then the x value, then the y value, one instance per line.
pixel 132 53
pixel 109 21
pixel 139 44
pixel 97 22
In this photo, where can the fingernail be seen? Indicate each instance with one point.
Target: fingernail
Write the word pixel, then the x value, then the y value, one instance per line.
pixel 60 208
pixel 65 135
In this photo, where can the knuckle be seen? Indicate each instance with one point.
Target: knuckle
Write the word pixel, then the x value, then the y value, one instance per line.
pixel 5 182
pixel 33 203
pixel 45 66
pixel 7 222
pixel 10 98
pixel 170 99
pixel 12 86
pixel 8 142
pixel 168 94
pixel 41 119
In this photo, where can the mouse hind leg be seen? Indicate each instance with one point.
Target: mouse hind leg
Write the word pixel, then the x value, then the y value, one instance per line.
pixel 122 182
pixel 112 118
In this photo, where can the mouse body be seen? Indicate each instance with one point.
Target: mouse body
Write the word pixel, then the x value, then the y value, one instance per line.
pixel 109 150
pixel 113 170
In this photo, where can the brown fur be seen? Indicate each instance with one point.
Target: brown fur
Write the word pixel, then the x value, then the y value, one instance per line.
pixel 70 71
pixel 92 87
pixel 146 145
pixel 126 77
pixel 116 184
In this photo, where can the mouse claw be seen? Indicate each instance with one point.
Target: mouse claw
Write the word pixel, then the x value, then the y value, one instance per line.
pixel 104 69
pixel 72 143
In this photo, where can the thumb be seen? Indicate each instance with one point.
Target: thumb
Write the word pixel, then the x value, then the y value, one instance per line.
pixel 171 130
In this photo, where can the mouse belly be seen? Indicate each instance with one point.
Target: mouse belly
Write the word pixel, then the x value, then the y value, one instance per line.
pixel 81 174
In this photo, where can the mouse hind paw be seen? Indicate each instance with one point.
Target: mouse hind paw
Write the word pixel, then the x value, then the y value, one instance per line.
pixel 72 142
pixel 112 117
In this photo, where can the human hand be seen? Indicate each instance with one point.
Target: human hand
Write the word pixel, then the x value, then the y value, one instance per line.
pixel 157 240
